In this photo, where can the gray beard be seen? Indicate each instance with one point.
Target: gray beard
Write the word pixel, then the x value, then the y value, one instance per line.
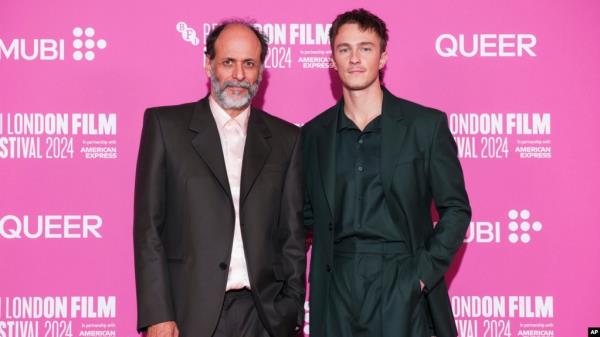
pixel 236 102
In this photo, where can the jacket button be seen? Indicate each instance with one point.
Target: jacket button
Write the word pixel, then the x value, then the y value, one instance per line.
pixel 223 265
pixel 330 227
pixel 328 267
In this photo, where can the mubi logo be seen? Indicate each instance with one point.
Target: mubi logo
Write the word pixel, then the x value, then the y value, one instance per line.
pixel 84 38
pixel 51 49
pixel 520 227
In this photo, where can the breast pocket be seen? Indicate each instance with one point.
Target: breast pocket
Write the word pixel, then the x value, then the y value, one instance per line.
pixel 272 175
pixel 274 167
pixel 410 174
pixel 410 157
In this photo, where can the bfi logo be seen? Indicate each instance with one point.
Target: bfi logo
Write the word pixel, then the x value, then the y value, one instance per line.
pixel 47 49
pixel 519 229
pixel 188 33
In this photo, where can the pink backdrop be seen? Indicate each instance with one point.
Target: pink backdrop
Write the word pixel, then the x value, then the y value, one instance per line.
pixel 522 105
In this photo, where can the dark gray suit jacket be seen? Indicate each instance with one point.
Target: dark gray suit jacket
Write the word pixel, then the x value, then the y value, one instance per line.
pixel 419 165
pixel 184 220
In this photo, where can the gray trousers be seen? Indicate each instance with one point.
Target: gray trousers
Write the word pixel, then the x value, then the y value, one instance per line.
pixel 239 317
pixel 375 292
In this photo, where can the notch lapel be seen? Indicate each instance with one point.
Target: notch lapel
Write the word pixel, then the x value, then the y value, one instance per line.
pixel 326 158
pixel 393 133
pixel 207 143
pixel 256 152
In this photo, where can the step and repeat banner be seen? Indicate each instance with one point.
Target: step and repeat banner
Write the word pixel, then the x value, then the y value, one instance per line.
pixel 519 81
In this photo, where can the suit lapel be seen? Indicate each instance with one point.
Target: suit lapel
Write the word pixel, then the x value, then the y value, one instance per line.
pixel 393 133
pixel 256 152
pixel 326 151
pixel 207 143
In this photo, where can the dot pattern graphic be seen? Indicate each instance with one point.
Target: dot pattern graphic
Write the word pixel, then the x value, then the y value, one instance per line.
pixel 521 226
pixel 85 44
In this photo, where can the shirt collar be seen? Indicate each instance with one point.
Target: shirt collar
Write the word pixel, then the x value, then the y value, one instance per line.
pixel 344 122
pixel 222 117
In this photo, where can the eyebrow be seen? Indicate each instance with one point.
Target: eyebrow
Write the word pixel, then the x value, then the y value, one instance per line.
pixel 360 44
pixel 235 60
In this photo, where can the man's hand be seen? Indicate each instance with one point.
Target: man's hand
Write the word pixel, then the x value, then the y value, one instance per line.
pixel 164 329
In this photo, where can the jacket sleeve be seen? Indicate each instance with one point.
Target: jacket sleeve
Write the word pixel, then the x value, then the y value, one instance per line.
pixel 290 220
pixel 154 301
pixel 452 203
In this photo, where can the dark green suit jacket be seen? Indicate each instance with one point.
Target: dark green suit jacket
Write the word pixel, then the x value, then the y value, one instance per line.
pixel 419 165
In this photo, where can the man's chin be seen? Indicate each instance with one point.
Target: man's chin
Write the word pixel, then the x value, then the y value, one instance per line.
pixel 357 86
pixel 236 104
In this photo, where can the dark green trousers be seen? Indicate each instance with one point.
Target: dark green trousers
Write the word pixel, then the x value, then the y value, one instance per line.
pixel 375 292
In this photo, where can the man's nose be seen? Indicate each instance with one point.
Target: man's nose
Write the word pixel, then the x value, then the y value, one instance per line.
pixel 354 57
pixel 238 72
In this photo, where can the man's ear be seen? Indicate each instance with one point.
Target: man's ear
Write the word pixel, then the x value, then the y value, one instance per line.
pixel 208 66
pixel 383 60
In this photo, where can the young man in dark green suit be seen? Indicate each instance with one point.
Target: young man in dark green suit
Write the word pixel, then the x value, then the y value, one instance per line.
pixel 374 164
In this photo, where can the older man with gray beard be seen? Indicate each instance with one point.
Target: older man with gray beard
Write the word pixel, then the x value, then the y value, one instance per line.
pixel 218 235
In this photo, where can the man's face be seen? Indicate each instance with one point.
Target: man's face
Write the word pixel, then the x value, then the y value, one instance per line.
pixel 357 56
pixel 236 71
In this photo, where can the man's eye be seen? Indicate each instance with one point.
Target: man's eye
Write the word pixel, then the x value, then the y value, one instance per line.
pixel 366 48
pixel 343 50
pixel 227 62
pixel 249 64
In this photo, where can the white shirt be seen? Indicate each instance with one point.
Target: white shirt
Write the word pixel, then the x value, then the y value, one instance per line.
pixel 232 132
